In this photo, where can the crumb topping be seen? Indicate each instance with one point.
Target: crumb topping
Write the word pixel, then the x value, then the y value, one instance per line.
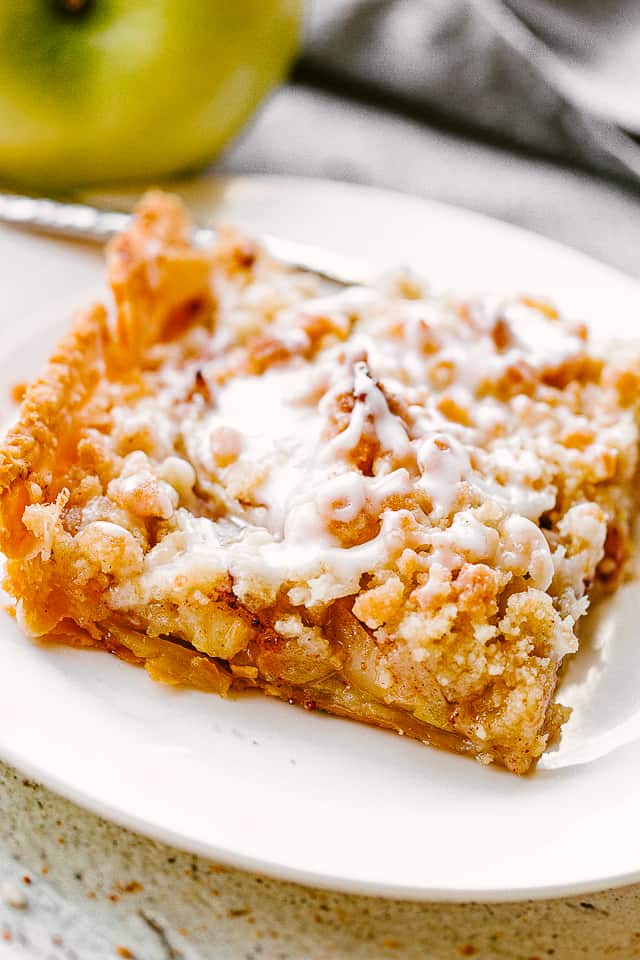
pixel 343 451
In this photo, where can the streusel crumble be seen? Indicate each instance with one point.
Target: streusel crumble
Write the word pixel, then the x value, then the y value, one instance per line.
pixel 386 505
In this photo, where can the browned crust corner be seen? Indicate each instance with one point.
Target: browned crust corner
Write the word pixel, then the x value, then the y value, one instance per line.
pixel 156 276
pixel 33 448
pixel 150 265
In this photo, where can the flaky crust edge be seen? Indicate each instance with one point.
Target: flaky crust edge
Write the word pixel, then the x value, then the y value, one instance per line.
pixel 33 448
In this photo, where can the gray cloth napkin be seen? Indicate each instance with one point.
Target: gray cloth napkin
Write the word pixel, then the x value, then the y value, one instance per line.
pixel 557 76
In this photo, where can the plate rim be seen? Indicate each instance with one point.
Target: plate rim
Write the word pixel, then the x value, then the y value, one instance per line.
pixel 308 878
pixel 280 870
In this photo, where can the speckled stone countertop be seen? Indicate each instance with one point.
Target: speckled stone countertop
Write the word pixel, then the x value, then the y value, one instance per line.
pixel 73 887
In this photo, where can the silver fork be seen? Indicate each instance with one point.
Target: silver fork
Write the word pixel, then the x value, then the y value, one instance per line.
pixel 81 221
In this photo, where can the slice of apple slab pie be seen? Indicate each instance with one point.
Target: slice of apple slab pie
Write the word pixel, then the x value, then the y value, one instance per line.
pixel 377 503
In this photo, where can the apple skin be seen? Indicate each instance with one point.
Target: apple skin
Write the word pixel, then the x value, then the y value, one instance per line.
pixel 132 89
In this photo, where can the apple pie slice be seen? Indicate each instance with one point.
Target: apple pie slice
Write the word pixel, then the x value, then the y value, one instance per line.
pixel 377 503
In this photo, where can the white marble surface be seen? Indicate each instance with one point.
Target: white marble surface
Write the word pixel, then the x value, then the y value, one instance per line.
pixel 74 886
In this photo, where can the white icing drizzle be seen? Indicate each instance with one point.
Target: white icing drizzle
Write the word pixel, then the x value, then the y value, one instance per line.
pixel 290 480
pixel 444 464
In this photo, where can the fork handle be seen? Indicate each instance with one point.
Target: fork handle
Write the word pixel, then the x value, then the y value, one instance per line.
pixel 77 221
pixel 80 221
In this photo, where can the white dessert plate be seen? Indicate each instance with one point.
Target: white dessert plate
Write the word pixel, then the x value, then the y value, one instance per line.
pixel 267 786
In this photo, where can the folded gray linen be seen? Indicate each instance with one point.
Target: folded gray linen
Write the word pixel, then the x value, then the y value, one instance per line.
pixel 558 76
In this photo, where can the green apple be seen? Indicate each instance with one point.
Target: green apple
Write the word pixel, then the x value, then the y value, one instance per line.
pixel 102 90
